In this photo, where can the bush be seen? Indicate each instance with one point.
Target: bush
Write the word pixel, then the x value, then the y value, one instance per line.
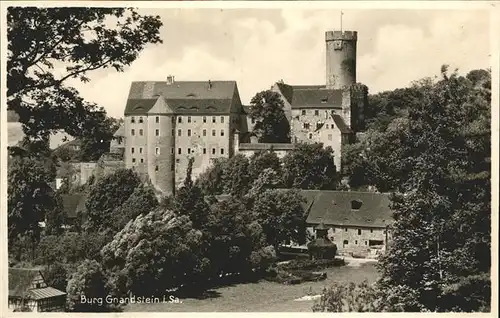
pixel 349 298
pixel 308 264
pixel 322 249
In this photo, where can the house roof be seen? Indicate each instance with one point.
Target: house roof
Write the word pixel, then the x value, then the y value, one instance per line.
pixel 266 146
pixel 334 208
pixel 73 203
pixel 20 282
pixel 183 96
pixel 120 132
pixel 311 96
pixel 339 122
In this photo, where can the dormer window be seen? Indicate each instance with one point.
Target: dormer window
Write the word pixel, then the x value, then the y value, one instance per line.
pixel 324 100
pixel 356 204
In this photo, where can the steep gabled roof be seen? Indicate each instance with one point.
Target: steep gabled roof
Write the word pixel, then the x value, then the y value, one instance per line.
pixel 20 285
pixel 311 96
pixel 334 208
pixel 183 96
pixel 339 121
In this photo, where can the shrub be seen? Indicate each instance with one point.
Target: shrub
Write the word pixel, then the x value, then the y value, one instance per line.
pixel 308 264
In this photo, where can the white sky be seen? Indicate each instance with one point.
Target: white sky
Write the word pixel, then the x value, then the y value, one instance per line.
pixel 261 46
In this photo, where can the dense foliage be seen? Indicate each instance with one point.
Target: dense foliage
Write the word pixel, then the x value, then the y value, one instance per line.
pixel 271 124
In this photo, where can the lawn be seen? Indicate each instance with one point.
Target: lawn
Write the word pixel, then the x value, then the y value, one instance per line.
pixel 263 296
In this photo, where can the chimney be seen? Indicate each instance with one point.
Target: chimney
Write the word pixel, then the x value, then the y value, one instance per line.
pixel 209 84
pixel 170 80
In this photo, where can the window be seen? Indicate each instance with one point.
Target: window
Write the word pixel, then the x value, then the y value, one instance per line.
pixel 222 132
pixel 333 230
pixel 384 231
pixel 213 151
pixel 213 119
pixel 221 151
pixel 172 150
pixel 204 151
pixel 189 151
pixel 140 149
pixel 37 285
pixel 222 119
pixel 346 242
pixel 371 230
pixel 356 204
pixel 366 242
pixel 310 136
pixel 157 150
pixel 204 119
pixel 157 120
pixel 189 119
pixel 132 150
pixel 172 119
pixel 253 120
pixel 179 151
pixel 173 132
pixel 330 136
pixel 356 242
pixel 326 126
pixel 345 230
pixel 172 167
pixel 156 168
pixel 204 132
pixel 132 120
pixel 306 125
pixel 179 119
pixel 324 100
pixel 140 120
pixel 316 112
pixel 189 132
pixel 133 160
pixel 318 126
pixel 332 126
pixel 141 132
pixel 179 132
pixel 132 132
pixel 303 112
pixel 157 132
pixel 142 160
pixel 213 132
pixel 359 231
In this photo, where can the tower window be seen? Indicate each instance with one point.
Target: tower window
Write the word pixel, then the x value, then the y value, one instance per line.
pixel 356 204
pixel 132 132
pixel 222 132
pixel 222 119
pixel 179 132
pixel 157 119
pixel 189 119
pixel 189 132
pixel 140 120
pixel 132 120
pixel 316 112
pixel 179 120
pixel 303 112
pixel 179 151
pixel 157 132
pixel 204 119
pixel 141 132
pixel 204 132
pixel 213 119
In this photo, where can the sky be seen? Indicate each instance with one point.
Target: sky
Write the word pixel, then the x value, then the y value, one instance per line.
pixel 262 46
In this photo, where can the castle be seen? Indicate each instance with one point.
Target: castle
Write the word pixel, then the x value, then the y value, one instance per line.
pixel 169 122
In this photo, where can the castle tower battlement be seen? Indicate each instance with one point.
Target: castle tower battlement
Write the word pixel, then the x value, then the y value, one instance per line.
pixel 340 58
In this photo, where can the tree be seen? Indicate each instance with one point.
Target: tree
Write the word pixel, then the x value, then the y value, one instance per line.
pixel 261 161
pixel 105 195
pixel 189 201
pixel 30 197
pixel 143 200
pixel 350 298
pixel 281 215
pixel 155 252
pixel 310 166
pixel 56 276
pixel 78 40
pixel 268 179
pixel 211 181
pixel 55 217
pixel 86 284
pixel 236 178
pixel 442 212
pixel 271 124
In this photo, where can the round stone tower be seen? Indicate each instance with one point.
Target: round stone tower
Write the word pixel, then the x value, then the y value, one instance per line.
pixel 340 58
pixel 160 152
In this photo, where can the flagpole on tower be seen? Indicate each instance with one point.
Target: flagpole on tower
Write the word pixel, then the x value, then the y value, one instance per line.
pixel 341 14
